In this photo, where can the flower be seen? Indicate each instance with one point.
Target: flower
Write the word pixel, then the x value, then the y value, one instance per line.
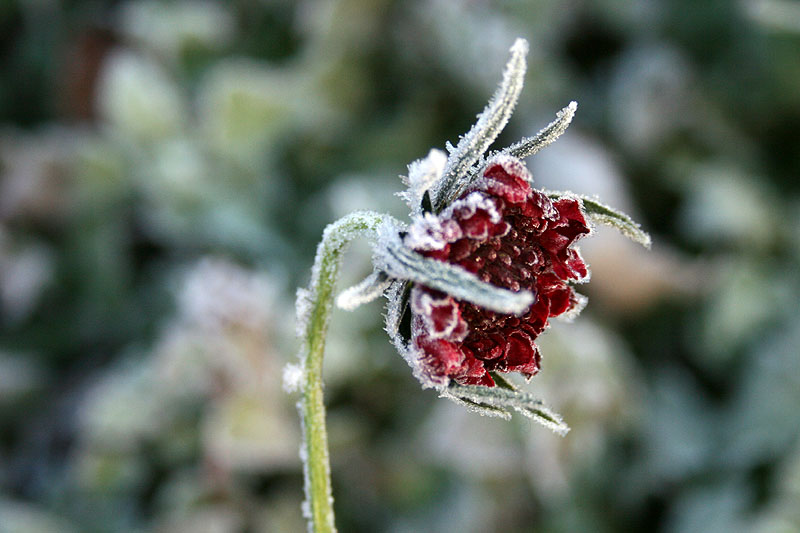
pixel 511 236
pixel 485 263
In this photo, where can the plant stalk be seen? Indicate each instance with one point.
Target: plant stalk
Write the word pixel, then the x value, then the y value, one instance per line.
pixel 314 310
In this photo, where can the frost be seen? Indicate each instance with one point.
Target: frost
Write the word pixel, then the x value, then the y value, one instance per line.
pixel 303 305
pixel 293 377
pixel 395 308
pixel 546 136
pixel 496 401
pixel 401 262
pixel 328 257
pixel 367 290
pixel 490 123
pixel 467 206
pixel 579 305
pixel 424 305
pixel 422 175
pixel 431 232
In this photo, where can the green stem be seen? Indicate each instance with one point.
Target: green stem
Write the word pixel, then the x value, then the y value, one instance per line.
pixel 314 310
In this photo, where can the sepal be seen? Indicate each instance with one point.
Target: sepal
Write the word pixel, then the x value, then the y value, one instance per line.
pixel 546 136
pixel 501 400
pixel 490 123
pixel 422 175
pixel 367 290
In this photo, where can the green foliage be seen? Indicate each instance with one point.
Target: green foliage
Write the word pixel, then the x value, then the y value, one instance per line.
pixel 163 183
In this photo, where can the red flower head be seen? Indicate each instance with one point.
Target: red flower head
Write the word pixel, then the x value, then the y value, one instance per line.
pixel 484 264
pixel 513 237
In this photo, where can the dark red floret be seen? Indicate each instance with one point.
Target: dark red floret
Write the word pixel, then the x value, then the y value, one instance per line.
pixel 511 236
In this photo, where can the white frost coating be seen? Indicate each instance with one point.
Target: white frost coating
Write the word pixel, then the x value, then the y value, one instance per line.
pixel 305 506
pixel 431 232
pixel 409 352
pixel 293 377
pixel 423 304
pixel 546 136
pixel 489 125
pixel 467 206
pixel 335 237
pixel 422 175
pixel 483 410
pixel 490 400
pixel 512 165
pixel 364 292
pixel 401 262
pixel 578 306
pixel 313 315
pixel 303 306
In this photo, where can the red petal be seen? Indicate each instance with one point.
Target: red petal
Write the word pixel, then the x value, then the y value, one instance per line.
pixel 519 349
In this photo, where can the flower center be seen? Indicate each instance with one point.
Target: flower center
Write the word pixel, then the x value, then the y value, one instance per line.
pixel 511 236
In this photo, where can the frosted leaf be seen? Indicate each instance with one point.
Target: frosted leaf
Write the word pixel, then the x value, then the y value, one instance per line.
pixel 400 261
pixel 422 175
pixel 490 123
pixel 481 408
pixel 492 400
pixel 293 377
pixel 602 214
pixel 546 136
pixel 367 290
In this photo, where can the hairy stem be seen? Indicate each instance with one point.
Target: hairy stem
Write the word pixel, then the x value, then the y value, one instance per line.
pixel 314 310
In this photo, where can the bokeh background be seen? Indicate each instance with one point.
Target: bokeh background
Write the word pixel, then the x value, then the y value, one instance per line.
pixel 166 169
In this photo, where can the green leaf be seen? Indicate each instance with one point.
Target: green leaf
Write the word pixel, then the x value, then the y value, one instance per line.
pixel 482 408
pixel 401 262
pixel 503 399
pixel 367 290
pixel 502 382
pixel 489 125
pixel 546 136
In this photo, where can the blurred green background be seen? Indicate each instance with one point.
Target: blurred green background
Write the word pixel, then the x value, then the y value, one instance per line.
pixel 166 169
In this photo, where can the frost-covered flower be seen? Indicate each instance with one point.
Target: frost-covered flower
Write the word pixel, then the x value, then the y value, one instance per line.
pixel 511 236
pixel 484 264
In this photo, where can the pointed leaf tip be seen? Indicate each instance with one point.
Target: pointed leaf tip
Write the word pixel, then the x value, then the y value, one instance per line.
pixel 600 213
pixel 546 136
pixel 402 262
pixel 367 290
pixel 473 145
pixel 603 214
pixel 520 46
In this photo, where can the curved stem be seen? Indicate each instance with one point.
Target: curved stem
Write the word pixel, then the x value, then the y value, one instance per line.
pixel 314 308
